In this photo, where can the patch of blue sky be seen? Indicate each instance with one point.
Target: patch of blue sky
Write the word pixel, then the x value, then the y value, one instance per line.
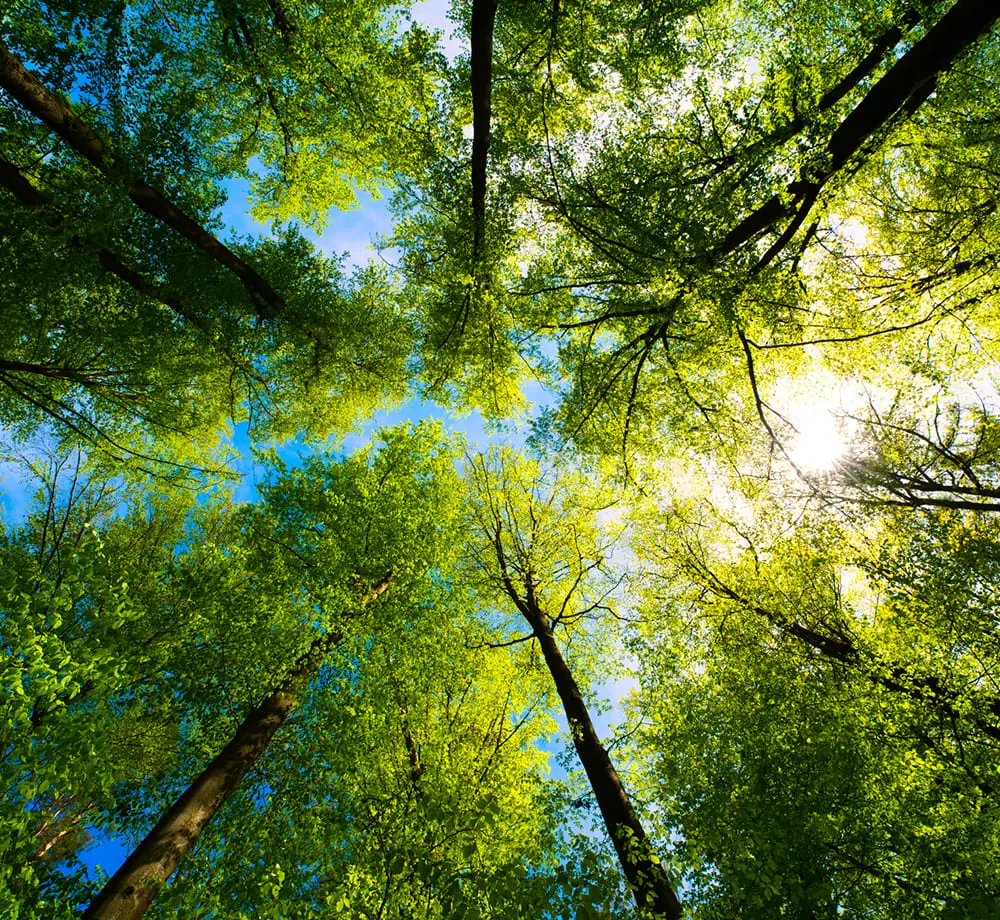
pixel 15 493
pixel 350 234
pixel 104 855
pixel 436 14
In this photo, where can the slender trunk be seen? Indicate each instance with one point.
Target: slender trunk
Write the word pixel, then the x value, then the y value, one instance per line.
pixel 412 750
pixel 266 300
pixel 87 378
pixel 67 828
pixel 484 13
pixel 60 118
pixel 775 209
pixel 886 41
pixel 281 19
pixel 904 86
pixel 882 673
pixel 114 265
pixel 648 880
pixel 30 197
pixel 131 890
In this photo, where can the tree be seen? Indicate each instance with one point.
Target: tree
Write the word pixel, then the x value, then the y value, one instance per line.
pixel 681 216
pixel 822 691
pixel 532 551
pixel 678 250
pixel 390 517
pixel 409 784
pixel 193 331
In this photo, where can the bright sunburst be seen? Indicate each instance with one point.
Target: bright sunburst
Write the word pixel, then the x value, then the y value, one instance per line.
pixel 819 443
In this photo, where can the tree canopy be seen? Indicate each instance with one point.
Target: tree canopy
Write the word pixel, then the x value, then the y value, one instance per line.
pixel 709 632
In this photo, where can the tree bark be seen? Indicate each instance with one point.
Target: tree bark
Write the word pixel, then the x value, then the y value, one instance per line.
pixel 484 13
pixel 131 890
pixel 647 879
pixel 60 118
pixel 21 188
pixel 905 85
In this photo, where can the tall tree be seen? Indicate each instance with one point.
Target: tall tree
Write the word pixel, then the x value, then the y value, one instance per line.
pixel 132 888
pixel 681 246
pixel 380 511
pixel 811 694
pixel 535 553
pixel 117 222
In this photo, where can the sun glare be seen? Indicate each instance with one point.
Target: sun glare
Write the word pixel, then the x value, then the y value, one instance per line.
pixel 818 444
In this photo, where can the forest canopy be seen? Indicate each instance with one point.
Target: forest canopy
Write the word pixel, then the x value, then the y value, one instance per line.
pixel 707 630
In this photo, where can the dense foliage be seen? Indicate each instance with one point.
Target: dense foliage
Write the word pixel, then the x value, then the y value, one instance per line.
pixel 370 684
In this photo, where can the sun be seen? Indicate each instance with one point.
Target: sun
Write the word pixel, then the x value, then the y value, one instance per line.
pixel 818 443
pixel 822 415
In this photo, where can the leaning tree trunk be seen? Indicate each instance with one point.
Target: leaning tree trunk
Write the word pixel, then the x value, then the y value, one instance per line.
pixel 31 198
pixel 60 118
pixel 131 890
pixel 643 872
pixel 904 87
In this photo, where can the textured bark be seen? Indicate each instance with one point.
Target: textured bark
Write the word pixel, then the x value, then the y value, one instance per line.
pixel 21 188
pixel 27 89
pixel 904 87
pixel 484 14
pixel 648 880
pixel 60 118
pixel 131 890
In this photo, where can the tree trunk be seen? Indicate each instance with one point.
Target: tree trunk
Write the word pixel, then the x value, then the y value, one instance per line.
pixel 60 118
pixel 963 25
pixel 15 183
pixel 484 13
pixel 885 42
pixel 909 80
pixel 128 894
pixel 131 890
pixel 648 880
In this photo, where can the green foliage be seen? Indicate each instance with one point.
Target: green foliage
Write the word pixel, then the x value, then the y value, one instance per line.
pixel 694 211
pixel 821 733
